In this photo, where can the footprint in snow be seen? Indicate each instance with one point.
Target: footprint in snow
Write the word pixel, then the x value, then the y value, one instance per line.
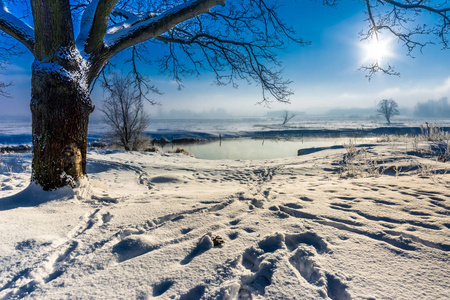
pixel 133 246
pixel 162 287
pixel 300 250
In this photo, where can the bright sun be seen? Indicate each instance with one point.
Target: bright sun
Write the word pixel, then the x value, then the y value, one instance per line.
pixel 376 50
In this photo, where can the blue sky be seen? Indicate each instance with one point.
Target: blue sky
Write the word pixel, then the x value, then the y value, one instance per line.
pixel 325 75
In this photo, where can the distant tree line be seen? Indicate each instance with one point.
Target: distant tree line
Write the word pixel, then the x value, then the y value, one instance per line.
pixel 433 109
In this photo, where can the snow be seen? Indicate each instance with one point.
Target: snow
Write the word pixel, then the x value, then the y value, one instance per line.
pixel 15 24
pixel 86 25
pixel 77 75
pixel 170 226
pixel 130 20
pixel 116 35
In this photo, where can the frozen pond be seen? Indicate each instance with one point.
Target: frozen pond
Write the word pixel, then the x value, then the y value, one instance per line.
pixel 254 149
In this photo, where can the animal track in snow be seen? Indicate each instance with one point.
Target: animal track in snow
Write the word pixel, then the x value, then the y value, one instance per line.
pixel 302 261
pixel 195 293
pixel 261 263
pixel 162 287
pixel 297 213
pixel 307 199
pixel 134 242
pixel 397 240
pixel 340 206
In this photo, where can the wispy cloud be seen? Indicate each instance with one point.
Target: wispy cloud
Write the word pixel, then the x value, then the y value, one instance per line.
pixel 407 94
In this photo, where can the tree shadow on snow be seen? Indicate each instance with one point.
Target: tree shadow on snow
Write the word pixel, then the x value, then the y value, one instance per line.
pixel 33 196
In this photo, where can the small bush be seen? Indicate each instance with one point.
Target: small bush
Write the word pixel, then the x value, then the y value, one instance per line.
pixel 180 150
pixel 358 162
pixel 431 132
pixel 153 149
pixel 142 143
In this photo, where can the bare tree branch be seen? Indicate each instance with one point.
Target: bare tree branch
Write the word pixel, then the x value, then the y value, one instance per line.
pixel 9 47
pixel 93 25
pixel 16 27
pixel 239 42
pixel 142 83
pixel 154 27
pixel 375 67
pixel 99 24
pixel 402 19
pixel 287 117
pixel 419 5
pixel 3 92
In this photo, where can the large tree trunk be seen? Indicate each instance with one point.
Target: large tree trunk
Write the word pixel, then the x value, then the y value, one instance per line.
pixel 60 108
pixel 60 102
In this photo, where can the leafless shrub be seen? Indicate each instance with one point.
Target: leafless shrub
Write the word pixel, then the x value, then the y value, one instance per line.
pixel 358 162
pixel 415 144
pixel 432 132
pixel 152 149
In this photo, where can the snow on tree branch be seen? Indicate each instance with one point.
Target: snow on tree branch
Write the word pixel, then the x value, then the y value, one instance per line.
pixel 156 26
pixel 16 28
pixel 130 19
pixel 94 22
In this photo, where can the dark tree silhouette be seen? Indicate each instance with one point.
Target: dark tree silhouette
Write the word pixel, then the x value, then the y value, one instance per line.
pixel 388 108
pixel 287 117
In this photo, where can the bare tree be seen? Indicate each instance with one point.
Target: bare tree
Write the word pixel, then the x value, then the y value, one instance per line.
pixel 235 39
pixel 388 108
pixel 124 111
pixel 287 117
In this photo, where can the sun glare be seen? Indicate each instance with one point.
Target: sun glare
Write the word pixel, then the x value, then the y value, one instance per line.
pixel 376 50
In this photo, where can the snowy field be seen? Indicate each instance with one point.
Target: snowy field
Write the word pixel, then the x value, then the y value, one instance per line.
pixel 326 225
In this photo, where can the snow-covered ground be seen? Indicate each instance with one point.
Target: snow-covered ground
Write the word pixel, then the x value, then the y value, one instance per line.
pixel 170 226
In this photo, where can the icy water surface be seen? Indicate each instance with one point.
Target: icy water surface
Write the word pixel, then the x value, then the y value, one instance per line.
pixel 254 149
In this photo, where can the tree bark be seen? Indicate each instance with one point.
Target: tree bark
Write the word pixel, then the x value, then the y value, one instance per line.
pixel 60 110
